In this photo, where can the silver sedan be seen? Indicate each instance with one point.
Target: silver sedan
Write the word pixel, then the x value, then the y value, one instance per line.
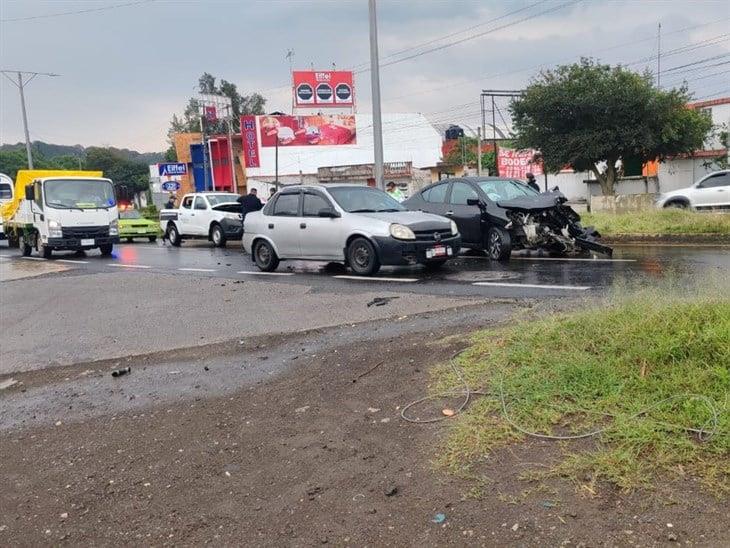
pixel 360 226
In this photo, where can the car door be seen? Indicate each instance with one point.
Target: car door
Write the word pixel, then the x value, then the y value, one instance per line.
pixel 200 217
pixel 467 217
pixel 434 198
pixel 282 226
pixel 712 191
pixel 320 237
pixel 184 215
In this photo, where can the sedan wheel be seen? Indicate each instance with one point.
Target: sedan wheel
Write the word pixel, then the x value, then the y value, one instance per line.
pixel 499 245
pixel 265 256
pixel 362 257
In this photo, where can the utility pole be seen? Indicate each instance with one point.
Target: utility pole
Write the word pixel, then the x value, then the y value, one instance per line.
pixel 659 56
pixel 479 151
pixel 20 84
pixel 276 162
pixel 378 170
pixel 494 140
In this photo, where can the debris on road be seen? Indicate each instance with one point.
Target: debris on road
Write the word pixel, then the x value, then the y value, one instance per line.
pixel 391 490
pixel 373 368
pixel 300 410
pixel 122 371
pixel 381 301
pixel 8 383
pixel 448 412
pixel 439 518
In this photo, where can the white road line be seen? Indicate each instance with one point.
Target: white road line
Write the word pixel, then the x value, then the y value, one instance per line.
pixel 120 265
pixel 6 256
pixel 34 258
pixel 375 279
pixel 534 286
pixel 72 261
pixel 197 270
pixel 266 273
pixel 575 259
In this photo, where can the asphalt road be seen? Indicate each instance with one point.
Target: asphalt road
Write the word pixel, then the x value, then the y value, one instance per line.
pixel 524 276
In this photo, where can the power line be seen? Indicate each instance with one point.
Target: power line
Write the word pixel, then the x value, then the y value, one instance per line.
pixel 76 12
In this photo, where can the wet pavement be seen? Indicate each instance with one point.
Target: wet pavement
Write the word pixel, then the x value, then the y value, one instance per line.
pixel 525 275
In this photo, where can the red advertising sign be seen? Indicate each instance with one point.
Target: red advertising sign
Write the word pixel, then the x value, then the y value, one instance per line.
pixel 323 88
pixel 290 131
pixel 210 114
pixel 250 141
pixel 517 163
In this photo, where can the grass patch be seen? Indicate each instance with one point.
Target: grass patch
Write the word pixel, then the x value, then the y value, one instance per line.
pixel 656 222
pixel 600 368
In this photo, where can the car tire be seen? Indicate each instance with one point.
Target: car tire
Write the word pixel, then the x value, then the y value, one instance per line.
pixel 265 256
pixel 499 244
pixel 25 248
pixel 362 257
pixel 676 204
pixel 153 239
pixel 13 241
pixel 43 250
pixel 173 235
pixel 106 249
pixel 130 240
pixel 217 236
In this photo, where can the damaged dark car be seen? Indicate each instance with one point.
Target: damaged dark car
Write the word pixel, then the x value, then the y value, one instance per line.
pixel 499 215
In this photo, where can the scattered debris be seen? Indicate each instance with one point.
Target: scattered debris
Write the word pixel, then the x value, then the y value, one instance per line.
pixel 448 412
pixel 373 368
pixel 548 504
pixel 122 371
pixel 58 423
pixel 64 515
pixel 515 526
pixel 391 490
pixel 373 409
pixel 671 537
pixel 386 419
pixel 439 518
pixel 206 368
pixel 228 474
pixel 380 301
pixel 8 383
pixel 301 409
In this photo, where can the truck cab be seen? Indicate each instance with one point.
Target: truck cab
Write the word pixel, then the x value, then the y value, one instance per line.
pixel 6 196
pixel 65 212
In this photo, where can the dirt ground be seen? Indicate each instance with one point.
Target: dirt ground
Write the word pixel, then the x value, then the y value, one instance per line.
pixel 317 456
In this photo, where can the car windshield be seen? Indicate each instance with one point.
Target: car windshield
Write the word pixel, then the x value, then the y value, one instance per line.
pixel 79 194
pixel 216 199
pixel 363 199
pixel 6 191
pixel 505 189
pixel 130 214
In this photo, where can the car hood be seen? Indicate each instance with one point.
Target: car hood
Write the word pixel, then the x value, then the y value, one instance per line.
pixel 229 207
pixel 540 202
pixel 415 220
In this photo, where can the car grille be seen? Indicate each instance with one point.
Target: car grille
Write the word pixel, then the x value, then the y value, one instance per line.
pixel 137 226
pixel 85 231
pixel 432 235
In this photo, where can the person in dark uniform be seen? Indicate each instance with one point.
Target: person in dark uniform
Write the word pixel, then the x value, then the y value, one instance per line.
pixel 531 182
pixel 170 202
pixel 250 202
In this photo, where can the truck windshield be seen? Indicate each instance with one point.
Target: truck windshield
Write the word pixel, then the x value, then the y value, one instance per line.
pixel 6 191
pixel 130 214
pixel 216 199
pixel 79 194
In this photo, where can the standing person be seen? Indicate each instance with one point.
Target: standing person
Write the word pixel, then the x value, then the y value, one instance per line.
pixel 170 202
pixel 394 191
pixel 250 202
pixel 531 182
pixel 272 191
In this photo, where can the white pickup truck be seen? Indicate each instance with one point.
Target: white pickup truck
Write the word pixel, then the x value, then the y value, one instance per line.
pixel 215 216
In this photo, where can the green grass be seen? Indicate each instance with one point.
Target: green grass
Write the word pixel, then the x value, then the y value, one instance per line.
pixel 598 369
pixel 655 222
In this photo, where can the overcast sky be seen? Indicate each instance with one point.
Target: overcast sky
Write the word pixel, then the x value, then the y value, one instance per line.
pixel 126 70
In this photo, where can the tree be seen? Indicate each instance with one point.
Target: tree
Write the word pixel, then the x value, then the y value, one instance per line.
pixel 468 145
pixel 586 114
pixel 189 121
pixel 129 177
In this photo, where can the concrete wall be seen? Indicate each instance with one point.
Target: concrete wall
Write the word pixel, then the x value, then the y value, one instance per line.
pixel 675 174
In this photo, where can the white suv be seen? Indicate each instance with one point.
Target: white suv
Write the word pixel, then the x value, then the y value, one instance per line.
pixel 712 191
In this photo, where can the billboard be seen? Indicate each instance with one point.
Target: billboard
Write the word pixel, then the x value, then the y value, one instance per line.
pixel 319 130
pixel 517 163
pixel 250 141
pixel 323 88
pixel 170 169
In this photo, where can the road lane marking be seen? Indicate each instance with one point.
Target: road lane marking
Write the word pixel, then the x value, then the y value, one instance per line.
pixel 72 261
pixel 6 256
pixel 34 258
pixel 376 279
pixel 534 286
pixel 266 273
pixel 197 270
pixel 119 265
pixel 575 259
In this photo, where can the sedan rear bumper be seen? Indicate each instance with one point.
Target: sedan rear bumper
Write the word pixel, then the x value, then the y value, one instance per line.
pixel 400 252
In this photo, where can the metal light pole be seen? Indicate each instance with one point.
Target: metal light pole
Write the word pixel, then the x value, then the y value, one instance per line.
pixel 375 85
pixel 21 85
pixel 479 151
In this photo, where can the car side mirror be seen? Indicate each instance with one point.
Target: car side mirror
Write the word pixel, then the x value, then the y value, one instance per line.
pixel 29 193
pixel 329 212
pixel 472 201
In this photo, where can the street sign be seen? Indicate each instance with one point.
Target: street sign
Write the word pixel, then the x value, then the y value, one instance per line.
pixel 170 186
pixel 172 169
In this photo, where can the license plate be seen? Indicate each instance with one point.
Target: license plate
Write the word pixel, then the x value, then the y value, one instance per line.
pixel 89 241
pixel 141 231
pixel 438 251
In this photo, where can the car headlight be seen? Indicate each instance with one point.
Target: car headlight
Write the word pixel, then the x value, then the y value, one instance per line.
pixel 232 216
pixel 401 232
pixel 114 227
pixel 454 229
pixel 54 229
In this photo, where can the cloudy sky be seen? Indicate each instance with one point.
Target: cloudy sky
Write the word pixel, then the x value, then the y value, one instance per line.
pixel 126 66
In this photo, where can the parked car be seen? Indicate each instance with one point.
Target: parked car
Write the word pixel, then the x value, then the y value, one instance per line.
pixel 498 215
pixel 358 225
pixel 215 216
pixel 133 225
pixel 712 191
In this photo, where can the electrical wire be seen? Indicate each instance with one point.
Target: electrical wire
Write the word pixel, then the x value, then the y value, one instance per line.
pixel 76 12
